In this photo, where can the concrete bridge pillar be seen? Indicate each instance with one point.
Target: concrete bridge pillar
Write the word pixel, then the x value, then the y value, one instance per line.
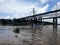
pixel 40 20
pixel 54 22
pixel 34 22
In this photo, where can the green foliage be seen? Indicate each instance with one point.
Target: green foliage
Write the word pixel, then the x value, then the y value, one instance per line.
pixel 5 21
pixel 17 30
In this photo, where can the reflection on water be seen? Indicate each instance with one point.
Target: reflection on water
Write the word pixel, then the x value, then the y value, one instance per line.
pixel 55 36
pixel 41 35
pixel 37 38
pixel 54 40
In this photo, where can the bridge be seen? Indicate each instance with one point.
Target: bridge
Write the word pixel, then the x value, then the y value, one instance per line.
pixel 48 15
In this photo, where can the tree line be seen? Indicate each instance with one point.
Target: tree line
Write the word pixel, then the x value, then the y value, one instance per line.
pixel 17 22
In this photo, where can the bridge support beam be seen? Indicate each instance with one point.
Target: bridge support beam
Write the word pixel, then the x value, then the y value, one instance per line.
pixel 34 23
pixel 54 22
pixel 40 20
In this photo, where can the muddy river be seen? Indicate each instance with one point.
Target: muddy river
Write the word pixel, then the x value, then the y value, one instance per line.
pixel 26 35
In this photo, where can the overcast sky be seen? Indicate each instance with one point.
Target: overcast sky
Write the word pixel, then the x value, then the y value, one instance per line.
pixel 22 8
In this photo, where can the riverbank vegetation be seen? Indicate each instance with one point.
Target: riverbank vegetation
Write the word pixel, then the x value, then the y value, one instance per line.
pixel 21 22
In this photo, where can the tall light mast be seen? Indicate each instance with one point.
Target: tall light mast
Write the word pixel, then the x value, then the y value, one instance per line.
pixel 33 11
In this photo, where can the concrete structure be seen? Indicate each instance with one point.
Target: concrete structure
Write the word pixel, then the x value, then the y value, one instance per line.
pixel 48 15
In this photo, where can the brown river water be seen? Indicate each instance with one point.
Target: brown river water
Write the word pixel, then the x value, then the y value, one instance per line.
pixel 40 35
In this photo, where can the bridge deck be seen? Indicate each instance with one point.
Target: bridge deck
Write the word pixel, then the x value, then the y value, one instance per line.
pixel 43 14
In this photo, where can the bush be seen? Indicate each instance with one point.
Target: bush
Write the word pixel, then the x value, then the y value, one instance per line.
pixel 17 30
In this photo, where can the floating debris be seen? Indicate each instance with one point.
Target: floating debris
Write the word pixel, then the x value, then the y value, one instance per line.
pixel 16 36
